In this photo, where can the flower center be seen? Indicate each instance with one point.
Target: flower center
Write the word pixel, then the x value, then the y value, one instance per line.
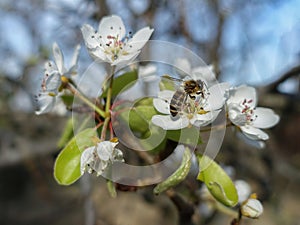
pixel 248 111
pixel 115 46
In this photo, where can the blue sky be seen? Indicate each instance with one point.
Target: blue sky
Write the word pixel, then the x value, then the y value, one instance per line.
pixel 256 51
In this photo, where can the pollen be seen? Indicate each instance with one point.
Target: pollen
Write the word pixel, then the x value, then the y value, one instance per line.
pixel 202 111
pixel 64 79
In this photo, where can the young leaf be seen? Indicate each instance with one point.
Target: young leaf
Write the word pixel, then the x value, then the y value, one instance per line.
pixel 67 164
pixel 139 117
pixel 122 83
pixel 179 175
pixel 217 181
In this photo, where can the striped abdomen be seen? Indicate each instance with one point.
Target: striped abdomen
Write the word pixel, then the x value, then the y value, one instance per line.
pixel 177 102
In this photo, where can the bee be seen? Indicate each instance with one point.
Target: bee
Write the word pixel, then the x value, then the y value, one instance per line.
pixel 187 89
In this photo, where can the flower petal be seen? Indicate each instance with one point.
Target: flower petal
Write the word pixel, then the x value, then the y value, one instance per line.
pixel 113 26
pixel 87 160
pixel 74 62
pixel 235 115
pixel 138 40
pixel 239 94
pixel 254 133
pixel 105 150
pixel 50 67
pixel 123 59
pixel 45 103
pixel 53 82
pixel 201 120
pixel 254 143
pixel 266 118
pixel 59 58
pixel 167 123
pixel 162 102
pixel 90 36
pixel 98 54
pixel 216 97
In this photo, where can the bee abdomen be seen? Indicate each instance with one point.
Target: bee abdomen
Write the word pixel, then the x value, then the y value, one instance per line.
pixel 177 102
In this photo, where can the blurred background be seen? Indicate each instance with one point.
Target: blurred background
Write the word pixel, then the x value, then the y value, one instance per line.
pixel 255 42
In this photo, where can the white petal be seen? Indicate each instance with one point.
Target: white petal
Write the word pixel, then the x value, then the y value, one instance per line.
pixel 167 123
pixel 138 40
pixel 204 119
pixel 235 115
pixel 90 36
pixel 45 103
pixel 50 67
pixel 111 25
pixel 216 97
pixel 74 62
pixel 254 133
pixel 105 150
pixel 254 143
pixel 53 82
pixel 59 58
pixel 239 94
pixel 266 118
pixel 98 54
pixel 162 102
pixel 124 59
pixel 87 159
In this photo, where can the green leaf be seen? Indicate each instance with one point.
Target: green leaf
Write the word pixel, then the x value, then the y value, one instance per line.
pixel 139 116
pixel 67 164
pixel 67 134
pixel 178 176
pixel 188 135
pixel 122 83
pixel 67 100
pixel 217 181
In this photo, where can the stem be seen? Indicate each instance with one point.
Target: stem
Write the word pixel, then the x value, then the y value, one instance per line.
pixel 109 91
pixel 108 105
pixel 226 210
pixel 86 100
pixel 218 127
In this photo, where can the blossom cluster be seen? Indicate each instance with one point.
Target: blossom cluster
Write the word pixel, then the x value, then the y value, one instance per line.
pixel 239 102
pixel 196 102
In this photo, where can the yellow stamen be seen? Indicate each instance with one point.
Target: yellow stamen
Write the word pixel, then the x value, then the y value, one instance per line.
pixel 114 140
pixel 64 79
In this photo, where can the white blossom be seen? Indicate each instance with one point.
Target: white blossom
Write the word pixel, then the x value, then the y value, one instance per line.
pixel 199 112
pixel 98 158
pixel 243 113
pixel 111 44
pixel 55 73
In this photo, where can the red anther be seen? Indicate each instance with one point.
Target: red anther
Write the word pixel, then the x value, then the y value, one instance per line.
pixel 250 101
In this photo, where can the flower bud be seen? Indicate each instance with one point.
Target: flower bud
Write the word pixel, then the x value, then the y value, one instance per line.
pixel 252 208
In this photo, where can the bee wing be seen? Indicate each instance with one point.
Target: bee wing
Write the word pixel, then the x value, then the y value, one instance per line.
pixel 170 83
